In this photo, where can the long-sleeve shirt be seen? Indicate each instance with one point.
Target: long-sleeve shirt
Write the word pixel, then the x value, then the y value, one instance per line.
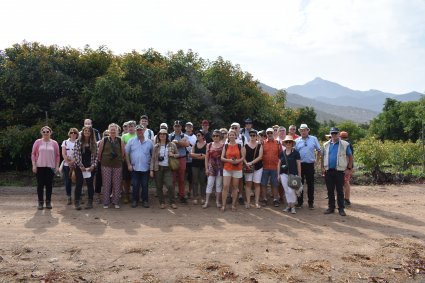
pixel 78 155
pixel 45 153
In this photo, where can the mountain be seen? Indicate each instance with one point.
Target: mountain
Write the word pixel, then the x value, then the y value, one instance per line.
pixel 325 111
pixel 335 94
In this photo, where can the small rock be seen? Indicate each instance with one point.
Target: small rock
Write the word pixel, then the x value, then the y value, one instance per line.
pixel 53 259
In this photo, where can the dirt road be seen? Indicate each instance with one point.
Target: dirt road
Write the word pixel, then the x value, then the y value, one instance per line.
pixel 382 239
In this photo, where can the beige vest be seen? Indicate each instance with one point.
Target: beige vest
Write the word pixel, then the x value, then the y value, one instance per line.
pixel 341 161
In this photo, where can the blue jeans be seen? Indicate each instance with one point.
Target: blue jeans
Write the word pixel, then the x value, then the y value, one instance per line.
pixel 140 179
pixel 67 180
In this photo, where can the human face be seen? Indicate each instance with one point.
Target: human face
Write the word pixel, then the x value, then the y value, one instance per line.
pixel 248 126
pixel 289 144
pixel 205 127
pixel 87 132
pixel 199 136
pixel 292 130
pixel 216 136
pixel 45 133
pixel 113 131
pixel 131 128
pixel 144 122
pixel 88 123
pixel 335 136
pixel 73 135
pixel 282 134
pixel 231 136
pixel 269 135
pixel 177 128
pixel 162 137
pixel 140 133
pixel 304 132
pixel 188 129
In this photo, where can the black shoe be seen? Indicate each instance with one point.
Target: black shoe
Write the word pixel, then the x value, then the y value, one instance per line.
pixel 145 204
pixel 299 206
pixel 264 202
pixel 69 201
pixel 329 211
pixel 276 203
pixel 342 212
pixel 183 200
pixel 48 205
pixel 134 204
pixel 241 202
pixel 40 205
pixel 310 206
pixel 77 205
pixel 347 202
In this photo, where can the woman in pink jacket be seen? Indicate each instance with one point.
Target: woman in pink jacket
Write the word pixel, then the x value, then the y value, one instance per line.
pixel 45 163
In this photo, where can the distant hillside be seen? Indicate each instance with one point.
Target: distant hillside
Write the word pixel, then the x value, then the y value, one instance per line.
pixel 325 111
pixel 333 93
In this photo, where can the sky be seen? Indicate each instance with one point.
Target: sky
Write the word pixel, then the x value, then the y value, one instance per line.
pixel 360 44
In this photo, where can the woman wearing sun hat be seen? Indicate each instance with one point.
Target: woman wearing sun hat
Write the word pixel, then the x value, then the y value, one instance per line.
pixel 291 158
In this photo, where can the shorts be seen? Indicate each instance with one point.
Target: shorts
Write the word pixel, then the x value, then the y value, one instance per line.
pixel 255 176
pixel 269 174
pixel 233 173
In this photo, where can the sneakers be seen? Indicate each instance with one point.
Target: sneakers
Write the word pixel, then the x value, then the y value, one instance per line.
pixel 276 203
pixel 106 206
pixel 264 202
pixel 89 204
pixel 146 204
pixel 347 202
pixel 293 210
pixel 329 211
pixel 77 205
pixel 40 205
pixel 162 205
pixel 299 205
pixel 257 205
pixel 342 212
pixel 173 206
pixel 287 209
pixel 134 204
pixel 195 201
pixel 218 205
pixel 205 205
pixel 117 206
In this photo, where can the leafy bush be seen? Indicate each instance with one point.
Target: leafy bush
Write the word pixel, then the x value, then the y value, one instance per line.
pixel 402 155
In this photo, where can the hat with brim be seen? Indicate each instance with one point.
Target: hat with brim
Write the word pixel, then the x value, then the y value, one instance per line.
pixel 269 130
pixel 333 130
pixel 140 127
pixel 163 126
pixel 289 138
pixel 163 131
pixel 303 127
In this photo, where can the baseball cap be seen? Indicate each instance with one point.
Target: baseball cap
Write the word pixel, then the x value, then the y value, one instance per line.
pixel 205 122
pixel 140 127
pixel 163 126
pixel 189 123
pixel 334 130
pixel 177 123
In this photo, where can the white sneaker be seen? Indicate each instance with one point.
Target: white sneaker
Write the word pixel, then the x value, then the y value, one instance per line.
pixel 106 206
pixel 117 206
pixel 293 210
pixel 287 209
pixel 205 205
pixel 218 205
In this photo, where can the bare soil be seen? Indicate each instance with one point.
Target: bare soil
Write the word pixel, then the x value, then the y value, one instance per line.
pixel 382 239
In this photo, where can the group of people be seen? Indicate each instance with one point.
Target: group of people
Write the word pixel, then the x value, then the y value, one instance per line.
pixel 234 161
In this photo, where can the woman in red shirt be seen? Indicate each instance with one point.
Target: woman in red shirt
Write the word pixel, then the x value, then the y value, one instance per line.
pixel 232 157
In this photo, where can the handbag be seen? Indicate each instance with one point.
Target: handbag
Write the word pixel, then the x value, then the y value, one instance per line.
pixel 173 163
pixel 251 168
pixel 294 181
pixel 73 175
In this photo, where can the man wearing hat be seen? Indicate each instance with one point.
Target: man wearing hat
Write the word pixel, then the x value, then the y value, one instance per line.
pixel 138 153
pixel 181 141
pixel 347 176
pixel 337 157
pixel 248 127
pixel 205 129
pixel 307 145
pixel 144 121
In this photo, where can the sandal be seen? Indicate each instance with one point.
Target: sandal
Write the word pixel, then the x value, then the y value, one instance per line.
pixel 257 205
pixel 247 206
pixel 223 208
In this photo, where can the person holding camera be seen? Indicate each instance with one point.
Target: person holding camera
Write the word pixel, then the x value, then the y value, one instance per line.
pixel 159 168
pixel 289 163
pixel 111 156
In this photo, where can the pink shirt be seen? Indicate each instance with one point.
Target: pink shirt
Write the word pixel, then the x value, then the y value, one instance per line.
pixel 45 154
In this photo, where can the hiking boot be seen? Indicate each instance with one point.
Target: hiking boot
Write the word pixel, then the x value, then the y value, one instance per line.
pixel 69 201
pixel 347 202
pixel 134 204
pixel 89 204
pixel 77 205
pixel 48 204
pixel 329 211
pixel 342 212
pixel 40 205
pixel 311 206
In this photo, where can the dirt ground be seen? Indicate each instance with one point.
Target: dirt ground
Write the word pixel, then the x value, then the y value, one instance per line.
pixel 382 239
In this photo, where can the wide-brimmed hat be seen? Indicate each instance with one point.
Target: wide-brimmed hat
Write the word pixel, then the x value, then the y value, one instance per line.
pixel 163 131
pixel 303 126
pixel 289 138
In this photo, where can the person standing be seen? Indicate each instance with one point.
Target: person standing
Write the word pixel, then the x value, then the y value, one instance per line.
pixel 336 159
pixel 214 168
pixel 89 123
pixel 144 121
pixel 180 140
pixel 68 161
pixel 111 156
pixel 45 164
pixel 198 168
pixel 191 137
pixel 205 129
pixel 253 168
pixel 159 168
pixel 85 155
pixel 248 127
pixel 138 154
pixel 291 161
pixel 126 175
pixel 292 131
pixel 307 145
pixel 348 173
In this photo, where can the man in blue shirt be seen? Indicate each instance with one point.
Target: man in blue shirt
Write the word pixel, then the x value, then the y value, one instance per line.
pixel 337 157
pixel 307 145
pixel 138 156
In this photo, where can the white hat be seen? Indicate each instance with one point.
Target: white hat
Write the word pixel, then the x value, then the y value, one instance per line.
pixel 163 126
pixel 303 126
pixel 189 123
pixel 269 130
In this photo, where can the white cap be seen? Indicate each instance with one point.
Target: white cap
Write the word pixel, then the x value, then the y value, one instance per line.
pixel 189 123
pixel 163 126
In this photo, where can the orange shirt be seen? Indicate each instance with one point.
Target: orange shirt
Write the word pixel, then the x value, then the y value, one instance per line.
pixel 233 152
pixel 271 152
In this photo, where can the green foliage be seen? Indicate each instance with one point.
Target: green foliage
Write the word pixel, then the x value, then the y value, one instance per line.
pixel 370 152
pixel 403 155
pixel 307 115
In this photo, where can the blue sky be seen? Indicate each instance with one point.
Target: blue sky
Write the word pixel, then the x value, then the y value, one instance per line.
pixel 361 44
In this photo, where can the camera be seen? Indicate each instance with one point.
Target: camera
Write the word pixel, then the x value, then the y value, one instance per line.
pixel 160 158
pixel 113 155
pixel 233 158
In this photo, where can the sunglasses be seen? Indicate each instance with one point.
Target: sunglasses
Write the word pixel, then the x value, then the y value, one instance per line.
pixel 334 133
pixel 73 133
pixel 233 128
pixel 252 135
pixel 270 133
pixel 45 132
pixel 215 136
pixel 198 135
pixel 286 142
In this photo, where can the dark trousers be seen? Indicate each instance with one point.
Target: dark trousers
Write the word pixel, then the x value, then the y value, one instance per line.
pixel 67 180
pixel 335 180
pixel 140 179
pixel 307 174
pixel 44 179
pixel 79 185
pixel 98 185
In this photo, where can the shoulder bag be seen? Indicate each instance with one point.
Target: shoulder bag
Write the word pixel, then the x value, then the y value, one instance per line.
pixel 294 181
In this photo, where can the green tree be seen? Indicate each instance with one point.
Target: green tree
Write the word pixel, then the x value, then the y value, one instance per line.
pixel 307 115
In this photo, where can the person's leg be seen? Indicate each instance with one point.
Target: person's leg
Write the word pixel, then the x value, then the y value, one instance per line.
pixel 195 184
pixel 235 190
pixel 182 172
pixel 40 184
pixel 189 177
pixel 168 181
pixel 347 188
pixel 98 183
pixel 135 182
pixel 248 185
pixel 116 185
pixel 339 184
pixel 78 187
pixel 202 184
pixel 310 184
pixel 226 185
pixel 67 181
pixel 264 181
pixel 300 199
pixel 210 184
pixel 90 191
pixel 106 185
pixel 159 182
pixel 144 181
pixel 275 188
pixel 218 189
pixel 330 185
pixel 49 187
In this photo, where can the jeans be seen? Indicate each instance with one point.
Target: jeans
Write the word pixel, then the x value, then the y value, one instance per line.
pixel 79 185
pixel 198 184
pixel 307 174
pixel 67 180
pixel 164 176
pixel 44 179
pixel 140 179
pixel 335 180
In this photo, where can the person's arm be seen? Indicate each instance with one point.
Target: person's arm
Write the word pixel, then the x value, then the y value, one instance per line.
pixel 299 167
pixel 100 150
pixel 223 155
pixel 127 156
pixel 57 156
pixel 278 170
pixel 94 160
pixel 207 155
pixel 122 148
pixel 260 156
pixel 64 155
